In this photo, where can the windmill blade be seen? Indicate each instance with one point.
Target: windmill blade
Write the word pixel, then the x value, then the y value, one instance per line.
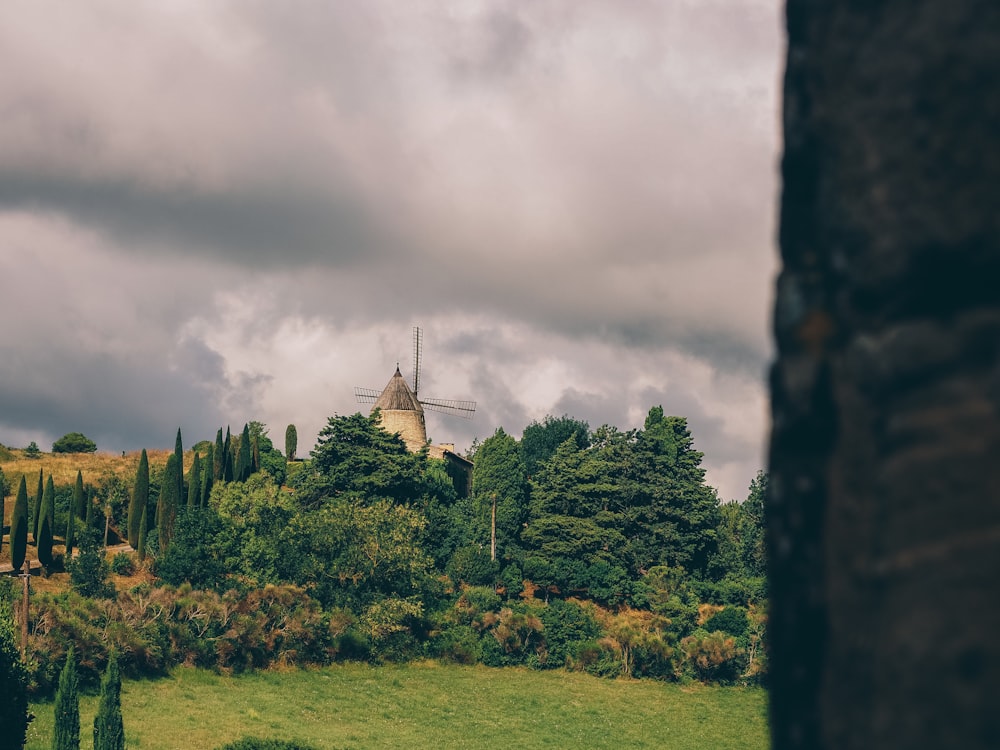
pixel 417 338
pixel 464 409
pixel 366 395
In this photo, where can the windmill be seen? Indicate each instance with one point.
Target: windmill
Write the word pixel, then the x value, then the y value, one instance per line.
pixel 402 410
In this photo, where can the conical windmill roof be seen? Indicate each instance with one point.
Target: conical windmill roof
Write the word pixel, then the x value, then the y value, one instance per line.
pixel 397 396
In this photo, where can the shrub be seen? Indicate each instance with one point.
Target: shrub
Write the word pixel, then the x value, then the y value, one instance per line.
pixel 712 656
pixel 14 715
pixel 88 571
pixel 74 442
pixel 255 743
pixel 122 565
pixel 731 620
pixel 32 451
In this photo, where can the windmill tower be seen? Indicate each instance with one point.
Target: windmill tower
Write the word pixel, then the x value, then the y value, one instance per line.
pixel 402 409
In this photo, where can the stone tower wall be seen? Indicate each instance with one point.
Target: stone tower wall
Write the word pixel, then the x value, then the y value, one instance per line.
pixel 408 423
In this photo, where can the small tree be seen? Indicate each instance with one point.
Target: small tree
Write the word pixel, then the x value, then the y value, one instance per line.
pixel 218 457
pixel 45 524
pixel 67 706
pixel 109 731
pixel 140 496
pixel 166 506
pixel 19 527
pixel 179 455
pixel 74 442
pixel 88 571
pixel 14 716
pixel 32 451
pixel 76 503
pixel 194 483
pixel 291 442
pixel 142 536
pixel 244 465
pixel 207 475
pixel 36 517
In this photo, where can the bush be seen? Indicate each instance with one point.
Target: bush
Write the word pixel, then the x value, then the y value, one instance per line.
pixel 122 565
pixel 731 620
pixel 88 571
pixel 32 451
pixel 255 743
pixel 74 442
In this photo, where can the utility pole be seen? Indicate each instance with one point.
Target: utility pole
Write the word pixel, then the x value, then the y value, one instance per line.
pixel 26 576
pixel 493 528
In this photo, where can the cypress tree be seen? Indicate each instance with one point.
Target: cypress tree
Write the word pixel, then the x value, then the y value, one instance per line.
pixel 19 527
pixel 166 506
pixel 75 504
pixel 194 483
pixel 70 529
pixel 67 706
pixel 243 465
pixel 208 475
pixel 179 453
pixel 140 496
pixel 88 516
pixel 142 536
pixel 48 513
pixel 109 731
pixel 37 508
pixel 255 456
pixel 14 716
pixel 291 442
pixel 81 502
pixel 217 457
pixel 227 458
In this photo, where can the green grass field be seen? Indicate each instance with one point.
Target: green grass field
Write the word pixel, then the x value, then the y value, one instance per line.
pixel 426 705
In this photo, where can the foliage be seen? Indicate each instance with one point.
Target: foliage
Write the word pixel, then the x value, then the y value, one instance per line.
pixel 167 504
pixel 712 657
pixel 19 527
pixel 193 555
pixel 88 571
pixel 67 707
pixel 499 475
pixel 36 515
pixel 122 565
pixel 244 465
pixel 194 483
pixel 32 451
pixel 109 731
pixel 540 440
pixel 179 478
pixel 14 715
pixel 291 442
pixel 730 620
pixel 74 442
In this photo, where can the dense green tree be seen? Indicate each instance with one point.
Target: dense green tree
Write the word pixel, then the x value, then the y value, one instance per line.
pixel 19 526
pixel 169 501
pixel 67 706
pixel 355 457
pixel 672 514
pixel 74 442
pixel 80 501
pixel 14 714
pixel 244 461
pixel 179 455
pixel 499 475
pixel 540 440
pixel 195 554
pixel 194 483
pixel 109 731
pixel 45 523
pixel 754 558
pixel 36 516
pixel 76 502
pixel 140 497
pixel 256 514
pixel 291 442
pixel 32 451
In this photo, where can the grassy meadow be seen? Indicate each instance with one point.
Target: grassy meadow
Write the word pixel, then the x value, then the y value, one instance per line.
pixel 426 705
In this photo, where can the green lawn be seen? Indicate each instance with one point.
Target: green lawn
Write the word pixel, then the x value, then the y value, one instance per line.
pixel 426 705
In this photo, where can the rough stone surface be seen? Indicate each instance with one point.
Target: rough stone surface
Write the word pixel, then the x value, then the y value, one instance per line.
pixel 884 506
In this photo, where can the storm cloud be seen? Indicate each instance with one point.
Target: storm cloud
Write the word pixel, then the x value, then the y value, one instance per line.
pixel 214 212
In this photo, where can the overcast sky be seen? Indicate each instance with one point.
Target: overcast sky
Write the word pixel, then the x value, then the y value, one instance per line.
pixel 212 212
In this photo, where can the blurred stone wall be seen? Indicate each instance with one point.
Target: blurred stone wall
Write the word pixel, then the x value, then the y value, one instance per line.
pixel 884 506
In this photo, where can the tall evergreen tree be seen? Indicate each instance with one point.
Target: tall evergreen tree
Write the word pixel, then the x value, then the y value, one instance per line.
pixel 179 454
pixel 67 706
pixel 227 457
pixel 109 731
pixel 37 515
pixel 244 464
pixel 166 506
pixel 88 515
pixel 207 475
pixel 80 501
pixel 70 533
pixel 75 503
pixel 14 716
pixel 142 535
pixel 291 442
pixel 254 455
pixel 140 497
pixel 218 457
pixel 48 514
pixel 194 483
pixel 19 527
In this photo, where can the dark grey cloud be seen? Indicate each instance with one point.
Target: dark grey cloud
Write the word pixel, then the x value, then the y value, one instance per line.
pixel 249 204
